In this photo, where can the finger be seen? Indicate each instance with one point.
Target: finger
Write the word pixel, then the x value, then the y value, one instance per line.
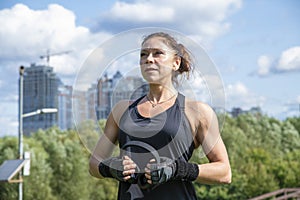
pixel 150 163
pixel 148 176
pixel 129 166
pixel 126 178
pixel 127 162
pixel 126 158
pixel 147 171
pixel 128 172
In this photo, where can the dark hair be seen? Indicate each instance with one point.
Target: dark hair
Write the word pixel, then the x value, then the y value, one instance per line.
pixel 186 64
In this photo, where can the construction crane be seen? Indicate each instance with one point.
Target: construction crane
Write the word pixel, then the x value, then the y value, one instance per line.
pixel 48 55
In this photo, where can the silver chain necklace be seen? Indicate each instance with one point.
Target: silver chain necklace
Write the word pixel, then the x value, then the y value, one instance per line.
pixel 155 104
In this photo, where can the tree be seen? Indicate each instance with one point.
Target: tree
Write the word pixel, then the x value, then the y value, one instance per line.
pixel 9 151
pixel 264 155
pixel 37 184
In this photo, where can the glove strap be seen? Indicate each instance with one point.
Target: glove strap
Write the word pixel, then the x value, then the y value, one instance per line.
pixel 186 171
pixel 104 170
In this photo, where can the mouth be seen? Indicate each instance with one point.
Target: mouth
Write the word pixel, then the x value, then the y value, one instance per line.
pixel 149 69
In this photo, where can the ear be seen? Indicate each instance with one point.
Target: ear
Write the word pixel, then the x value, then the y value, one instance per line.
pixel 176 63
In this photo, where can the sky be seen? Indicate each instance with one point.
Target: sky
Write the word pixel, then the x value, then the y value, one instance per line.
pixel 254 44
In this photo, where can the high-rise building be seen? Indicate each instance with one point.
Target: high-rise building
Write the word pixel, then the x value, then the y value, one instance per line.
pixel 92 102
pixel 65 115
pixel 111 91
pixel 80 107
pixel 104 91
pixel 40 91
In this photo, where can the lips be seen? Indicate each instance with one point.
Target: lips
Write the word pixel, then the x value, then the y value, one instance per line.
pixel 149 69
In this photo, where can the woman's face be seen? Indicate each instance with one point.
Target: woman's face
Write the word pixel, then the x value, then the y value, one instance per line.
pixel 158 61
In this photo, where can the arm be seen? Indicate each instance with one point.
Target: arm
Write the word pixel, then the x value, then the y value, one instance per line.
pixel 206 130
pixel 106 145
pixel 218 169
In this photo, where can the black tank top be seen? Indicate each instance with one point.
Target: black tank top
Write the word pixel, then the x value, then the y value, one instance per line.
pixel 170 134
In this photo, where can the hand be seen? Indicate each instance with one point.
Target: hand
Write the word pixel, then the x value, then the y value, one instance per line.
pixel 119 168
pixel 129 169
pixel 160 173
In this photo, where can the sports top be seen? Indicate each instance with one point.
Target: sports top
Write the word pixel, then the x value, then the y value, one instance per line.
pixel 170 134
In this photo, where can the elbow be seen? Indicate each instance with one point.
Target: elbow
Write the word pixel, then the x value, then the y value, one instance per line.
pixel 91 171
pixel 227 177
pixel 93 167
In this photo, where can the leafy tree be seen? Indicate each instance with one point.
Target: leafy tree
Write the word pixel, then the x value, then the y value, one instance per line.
pixel 68 162
pixel 9 151
pixel 264 155
pixel 37 184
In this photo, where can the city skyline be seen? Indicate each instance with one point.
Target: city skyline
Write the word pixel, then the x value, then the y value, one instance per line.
pixel 255 45
pixel 42 88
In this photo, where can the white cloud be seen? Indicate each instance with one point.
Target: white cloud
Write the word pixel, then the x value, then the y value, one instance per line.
pixel 289 60
pixel 238 95
pixel 8 118
pixel 141 12
pixel 264 63
pixel 203 20
pixel 26 34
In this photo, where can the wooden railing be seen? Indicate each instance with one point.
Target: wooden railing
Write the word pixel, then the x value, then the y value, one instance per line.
pixel 282 194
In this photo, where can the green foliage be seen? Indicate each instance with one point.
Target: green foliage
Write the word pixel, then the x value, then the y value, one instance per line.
pixel 58 169
pixel 264 155
pixel 8 151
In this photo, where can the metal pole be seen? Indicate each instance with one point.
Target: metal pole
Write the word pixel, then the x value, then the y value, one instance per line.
pixel 21 70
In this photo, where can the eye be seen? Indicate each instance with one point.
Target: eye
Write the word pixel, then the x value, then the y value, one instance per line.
pixel 143 54
pixel 158 53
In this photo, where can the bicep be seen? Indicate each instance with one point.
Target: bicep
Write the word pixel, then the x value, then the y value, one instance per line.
pixel 208 135
pixel 107 141
pixel 218 152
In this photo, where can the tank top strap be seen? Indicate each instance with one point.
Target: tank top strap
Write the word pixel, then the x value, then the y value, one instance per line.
pixel 135 103
pixel 181 100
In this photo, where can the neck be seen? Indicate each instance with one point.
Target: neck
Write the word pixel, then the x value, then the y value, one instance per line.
pixel 158 93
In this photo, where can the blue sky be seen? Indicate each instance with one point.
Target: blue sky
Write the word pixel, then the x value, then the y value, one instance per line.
pixel 254 44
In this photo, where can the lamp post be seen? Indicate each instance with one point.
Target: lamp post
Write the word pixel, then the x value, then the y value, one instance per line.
pixel 21 116
pixel 21 71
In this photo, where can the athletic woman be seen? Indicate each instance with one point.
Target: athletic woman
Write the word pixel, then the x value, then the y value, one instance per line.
pixel 158 133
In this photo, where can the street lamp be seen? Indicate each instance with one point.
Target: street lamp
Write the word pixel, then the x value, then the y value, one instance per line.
pixel 21 116
pixel 40 111
pixel 21 71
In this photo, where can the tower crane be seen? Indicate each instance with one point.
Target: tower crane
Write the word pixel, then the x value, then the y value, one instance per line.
pixel 48 55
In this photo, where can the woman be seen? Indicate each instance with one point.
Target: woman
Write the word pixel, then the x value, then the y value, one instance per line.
pixel 166 121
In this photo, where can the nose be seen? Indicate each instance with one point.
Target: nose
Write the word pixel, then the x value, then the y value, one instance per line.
pixel 150 58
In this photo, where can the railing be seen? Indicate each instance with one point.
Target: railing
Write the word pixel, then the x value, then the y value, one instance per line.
pixel 282 194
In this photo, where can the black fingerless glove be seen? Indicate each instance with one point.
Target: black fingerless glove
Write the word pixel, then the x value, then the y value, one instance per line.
pixel 186 171
pixel 162 172
pixel 112 168
pixel 173 170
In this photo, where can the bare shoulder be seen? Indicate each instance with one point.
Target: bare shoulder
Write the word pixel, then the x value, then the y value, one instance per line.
pixel 198 109
pixel 201 117
pixel 119 109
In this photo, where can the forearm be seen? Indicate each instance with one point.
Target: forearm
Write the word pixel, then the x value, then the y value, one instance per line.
pixel 93 167
pixel 214 173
